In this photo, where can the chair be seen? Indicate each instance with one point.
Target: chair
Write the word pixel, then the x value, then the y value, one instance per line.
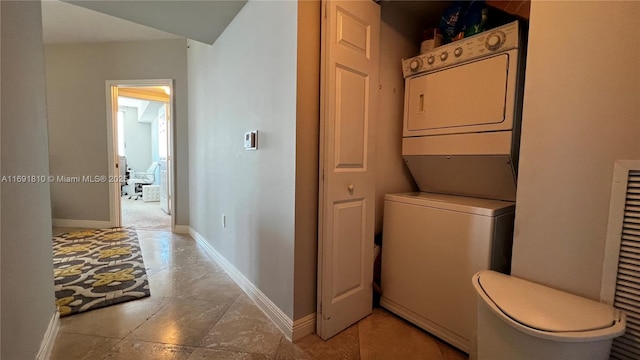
pixel 137 179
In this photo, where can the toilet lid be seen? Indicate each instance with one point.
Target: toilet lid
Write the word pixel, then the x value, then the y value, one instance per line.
pixel 544 308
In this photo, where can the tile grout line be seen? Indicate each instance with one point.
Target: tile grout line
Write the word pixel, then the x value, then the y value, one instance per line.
pixel 217 347
pixel 164 303
pixel 218 319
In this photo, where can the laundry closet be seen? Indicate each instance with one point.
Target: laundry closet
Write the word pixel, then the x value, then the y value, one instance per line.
pixel 447 158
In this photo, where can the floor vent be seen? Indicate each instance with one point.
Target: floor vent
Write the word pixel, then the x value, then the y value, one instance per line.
pixel 621 271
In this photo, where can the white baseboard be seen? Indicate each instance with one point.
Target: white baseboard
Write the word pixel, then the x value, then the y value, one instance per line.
pixel 49 337
pixel 279 318
pixel 181 229
pixel 93 224
pixel 304 326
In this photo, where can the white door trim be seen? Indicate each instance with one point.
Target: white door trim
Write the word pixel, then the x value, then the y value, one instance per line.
pixel 111 92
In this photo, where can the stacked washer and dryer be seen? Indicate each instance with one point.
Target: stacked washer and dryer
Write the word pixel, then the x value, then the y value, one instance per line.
pixel 460 141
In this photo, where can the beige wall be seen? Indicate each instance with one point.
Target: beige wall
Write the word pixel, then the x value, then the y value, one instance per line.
pixel 581 113
pixel 307 133
pixel 27 295
pixel 397 41
pixel 76 75
pixel 247 81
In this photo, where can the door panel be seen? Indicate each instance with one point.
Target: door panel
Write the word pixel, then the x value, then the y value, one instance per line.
pixel 351 118
pixel 348 255
pixel 352 32
pixel 349 80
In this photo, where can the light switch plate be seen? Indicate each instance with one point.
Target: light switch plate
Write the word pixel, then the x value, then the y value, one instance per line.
pixel 251 140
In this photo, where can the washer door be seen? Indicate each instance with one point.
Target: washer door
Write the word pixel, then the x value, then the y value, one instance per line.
pixel 473 97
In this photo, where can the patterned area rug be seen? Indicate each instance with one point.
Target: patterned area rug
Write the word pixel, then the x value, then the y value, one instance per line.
pixel 97 268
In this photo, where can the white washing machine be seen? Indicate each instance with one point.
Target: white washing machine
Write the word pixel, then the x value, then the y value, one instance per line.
pixel 432 246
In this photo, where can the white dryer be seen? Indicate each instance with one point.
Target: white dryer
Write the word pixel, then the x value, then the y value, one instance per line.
pixel 432 246
pixel 463 102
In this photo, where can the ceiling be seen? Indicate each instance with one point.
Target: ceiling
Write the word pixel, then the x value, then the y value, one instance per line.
pixel 66 23
pixel 114 20
pixel 147 111
pixel 70 21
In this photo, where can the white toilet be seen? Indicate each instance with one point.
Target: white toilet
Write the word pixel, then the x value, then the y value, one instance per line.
pixel 518 319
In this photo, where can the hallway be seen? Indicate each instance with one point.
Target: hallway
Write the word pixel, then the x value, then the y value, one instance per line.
pixel 197 312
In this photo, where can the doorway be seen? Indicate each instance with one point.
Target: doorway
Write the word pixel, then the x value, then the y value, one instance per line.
pixel 140 142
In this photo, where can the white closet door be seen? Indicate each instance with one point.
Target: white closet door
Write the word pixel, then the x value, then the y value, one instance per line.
pixel 350 60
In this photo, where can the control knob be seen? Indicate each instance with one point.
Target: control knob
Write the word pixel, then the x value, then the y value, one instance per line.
pixel 444 56
pixel 431 60
pixel 457 52
pixel 415 64
pixel 494 40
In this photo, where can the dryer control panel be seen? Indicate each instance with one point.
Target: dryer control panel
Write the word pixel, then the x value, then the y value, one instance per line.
pixel 498 39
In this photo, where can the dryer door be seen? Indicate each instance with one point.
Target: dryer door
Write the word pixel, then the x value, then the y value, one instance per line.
pixel 476 96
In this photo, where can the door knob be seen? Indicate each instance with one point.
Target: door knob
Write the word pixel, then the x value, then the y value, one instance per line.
pixel 351 187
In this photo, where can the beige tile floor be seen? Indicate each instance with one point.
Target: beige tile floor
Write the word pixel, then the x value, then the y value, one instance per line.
pixel 144 215
pixel 197 312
